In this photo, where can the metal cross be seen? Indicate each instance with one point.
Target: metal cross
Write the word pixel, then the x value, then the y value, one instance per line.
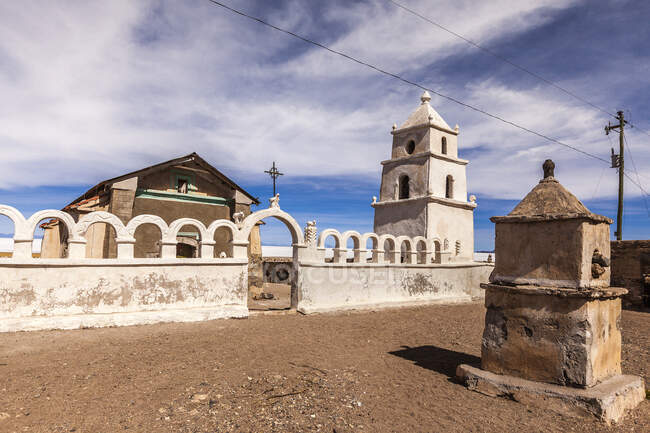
pixel 274 173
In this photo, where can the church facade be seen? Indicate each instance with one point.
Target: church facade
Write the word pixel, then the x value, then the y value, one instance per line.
pixel 424 186
pixel 185 187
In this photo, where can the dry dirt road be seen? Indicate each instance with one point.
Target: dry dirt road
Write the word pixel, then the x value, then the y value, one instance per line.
pixel 388 371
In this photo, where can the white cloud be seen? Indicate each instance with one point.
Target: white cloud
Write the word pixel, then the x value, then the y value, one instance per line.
pixel 92 90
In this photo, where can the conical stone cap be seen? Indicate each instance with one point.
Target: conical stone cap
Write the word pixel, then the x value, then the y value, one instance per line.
pixel 549 200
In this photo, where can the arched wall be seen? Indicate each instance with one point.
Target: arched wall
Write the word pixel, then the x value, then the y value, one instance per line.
pixel 251 220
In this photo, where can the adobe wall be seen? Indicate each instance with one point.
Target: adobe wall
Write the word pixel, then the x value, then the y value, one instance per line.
pixel 326 287
pixel 630 262
pixel 409 218
pixel 67 294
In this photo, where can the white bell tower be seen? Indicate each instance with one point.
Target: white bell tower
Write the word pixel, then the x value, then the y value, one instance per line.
pixel 424 187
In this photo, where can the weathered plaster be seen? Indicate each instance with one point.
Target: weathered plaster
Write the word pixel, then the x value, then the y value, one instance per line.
pixel 37 290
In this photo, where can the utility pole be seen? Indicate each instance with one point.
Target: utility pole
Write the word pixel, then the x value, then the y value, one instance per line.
pixel 618 162
pixel 274 173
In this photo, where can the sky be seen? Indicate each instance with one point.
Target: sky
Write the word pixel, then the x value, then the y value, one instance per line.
pixel 91 90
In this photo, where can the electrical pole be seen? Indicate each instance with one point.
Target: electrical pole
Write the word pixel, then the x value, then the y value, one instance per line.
pixel 274 173
pixel 618 162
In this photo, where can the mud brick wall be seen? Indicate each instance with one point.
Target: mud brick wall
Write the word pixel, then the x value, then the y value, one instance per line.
pixel 630 263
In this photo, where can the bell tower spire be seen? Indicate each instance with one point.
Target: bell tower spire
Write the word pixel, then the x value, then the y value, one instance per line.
pixel 423 185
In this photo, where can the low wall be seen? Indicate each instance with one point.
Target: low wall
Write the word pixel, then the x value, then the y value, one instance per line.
pixel 68 293
pixel 630 268
pixel 326 287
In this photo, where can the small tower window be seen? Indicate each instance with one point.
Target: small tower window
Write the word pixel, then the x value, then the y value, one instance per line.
pixel 404 187
pixel 444 145
pixel 449 187
pixel 410 147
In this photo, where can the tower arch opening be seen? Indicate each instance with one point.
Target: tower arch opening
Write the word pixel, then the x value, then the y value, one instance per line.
pixel 404 187
pixel 444 145
pixel 449 186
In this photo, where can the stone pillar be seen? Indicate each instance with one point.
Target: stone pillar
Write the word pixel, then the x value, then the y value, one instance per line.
pixel 77 248
pixel 22 249
pixel 125 249
pixel 168 250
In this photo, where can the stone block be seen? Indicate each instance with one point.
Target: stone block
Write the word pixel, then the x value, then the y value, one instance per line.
pixel 561 336
pixel 609 401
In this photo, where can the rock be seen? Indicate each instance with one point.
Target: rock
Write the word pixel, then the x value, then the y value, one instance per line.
pixel 198 398
pixel 4 416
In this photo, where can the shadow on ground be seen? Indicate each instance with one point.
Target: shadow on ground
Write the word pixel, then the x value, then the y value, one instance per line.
pixel 434 358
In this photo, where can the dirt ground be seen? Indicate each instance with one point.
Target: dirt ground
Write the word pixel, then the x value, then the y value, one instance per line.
pixel 388 371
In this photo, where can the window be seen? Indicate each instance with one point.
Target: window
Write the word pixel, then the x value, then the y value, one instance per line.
pixel 444 145
pixel 449 187
pixel 404 187
pixel 410 147
pixel 181 186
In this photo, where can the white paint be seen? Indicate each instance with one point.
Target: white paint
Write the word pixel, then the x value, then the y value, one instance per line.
pixel 7 245
pixel 338 286
pixel 64 293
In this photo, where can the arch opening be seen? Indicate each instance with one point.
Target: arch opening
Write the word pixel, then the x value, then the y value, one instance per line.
pixel 405 252
pixel 223 242
pixel 271 273
pixel 421 248
pixel 449 186
pixel 389 250
pixel 148 241
pixel 437 257
pixel 404 187
pixel 100 241
pixel 8 231
pixel 444 145
pixel 50 239
pixel 188 244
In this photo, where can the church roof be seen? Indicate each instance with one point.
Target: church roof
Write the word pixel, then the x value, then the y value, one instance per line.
pixel 549 200
pixel 193 157
pixel 425 115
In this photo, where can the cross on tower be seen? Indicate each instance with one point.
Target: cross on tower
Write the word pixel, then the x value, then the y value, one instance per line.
pixel 274 173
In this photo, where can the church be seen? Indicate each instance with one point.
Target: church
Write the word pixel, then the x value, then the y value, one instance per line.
pixel 424 186
pixel 185 187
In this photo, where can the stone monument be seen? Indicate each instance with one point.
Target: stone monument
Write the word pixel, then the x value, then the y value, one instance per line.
pixel 552 326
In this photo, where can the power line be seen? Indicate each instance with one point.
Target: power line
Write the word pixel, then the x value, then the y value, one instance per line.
pixel 500 57
pixel 644 193
pixel 405 80
pixel 511 63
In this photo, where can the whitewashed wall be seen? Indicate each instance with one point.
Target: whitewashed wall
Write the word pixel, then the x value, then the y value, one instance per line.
pixel 66 294
pixel 325 287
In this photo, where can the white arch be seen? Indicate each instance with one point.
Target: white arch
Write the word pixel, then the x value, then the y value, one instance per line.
pixel 416 241
pixel 330 232
pixel 21 230
pixel 400 240
pixel 371 235
pixel 389 256
pixel 53 213
pixel 122 235
pixel 147 219
pixel 176 225
pixel 215 225
pixel 275 212
pixel 354 235
pixel 383 238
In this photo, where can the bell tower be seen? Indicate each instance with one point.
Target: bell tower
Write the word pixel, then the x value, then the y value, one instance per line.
pixel 424 187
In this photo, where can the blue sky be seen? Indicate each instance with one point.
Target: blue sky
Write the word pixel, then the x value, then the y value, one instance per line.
pixel 95 89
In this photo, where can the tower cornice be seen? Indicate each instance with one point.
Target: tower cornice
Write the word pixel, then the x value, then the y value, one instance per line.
pixel 423 126
pixel 422 155
pixel 429 199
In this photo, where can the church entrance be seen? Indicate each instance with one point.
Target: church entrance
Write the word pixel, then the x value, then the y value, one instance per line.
pixel 271 270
